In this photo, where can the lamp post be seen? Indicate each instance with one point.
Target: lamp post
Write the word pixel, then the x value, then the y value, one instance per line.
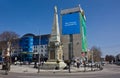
pixel 92 57
pixel 92 60
pixel 69 62
pixel 39 56
pixel 39 62
pixel 70 50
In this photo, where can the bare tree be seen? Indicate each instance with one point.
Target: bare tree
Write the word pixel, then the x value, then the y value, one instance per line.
pixel 109 58
pixel 8 36
pixel 96 53
pixel 5 37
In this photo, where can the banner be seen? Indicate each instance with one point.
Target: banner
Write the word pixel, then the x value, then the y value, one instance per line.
pixel 83 29
pixel 70 24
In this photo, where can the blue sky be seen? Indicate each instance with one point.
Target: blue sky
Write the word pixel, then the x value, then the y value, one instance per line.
pixel 36 16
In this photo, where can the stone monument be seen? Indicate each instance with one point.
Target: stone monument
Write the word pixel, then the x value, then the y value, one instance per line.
pixel 55 51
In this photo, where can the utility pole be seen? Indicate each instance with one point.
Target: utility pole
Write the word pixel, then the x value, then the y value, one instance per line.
pixel 92 57
pixel 92 60
pixel 70 50
pixel 39 55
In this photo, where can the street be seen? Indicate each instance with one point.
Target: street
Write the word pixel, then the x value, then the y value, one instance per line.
pixel 109 71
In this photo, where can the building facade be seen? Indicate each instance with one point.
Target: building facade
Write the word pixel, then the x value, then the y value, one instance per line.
pixel 73 32
pixel 26 46
pixel 31 45
pixel 40 45
pixel 76 46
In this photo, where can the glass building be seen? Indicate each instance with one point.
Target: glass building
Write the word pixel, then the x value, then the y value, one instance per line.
pixel 33 45
pixel 26 45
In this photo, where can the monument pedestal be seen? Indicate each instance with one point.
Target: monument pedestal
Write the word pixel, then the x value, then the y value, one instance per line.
pixel 55 60
pixel 54 65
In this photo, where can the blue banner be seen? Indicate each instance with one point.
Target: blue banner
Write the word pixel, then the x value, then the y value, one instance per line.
pixel 71 24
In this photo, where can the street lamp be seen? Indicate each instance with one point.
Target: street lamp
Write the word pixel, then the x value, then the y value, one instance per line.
pixel 70 50
pixel 92 57
pixel 39 56
pixel 92 60
pixel 39 62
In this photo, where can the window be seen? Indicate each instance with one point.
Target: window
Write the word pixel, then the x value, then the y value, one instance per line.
pixel 45 46
pixel 41 50
pixel 41 46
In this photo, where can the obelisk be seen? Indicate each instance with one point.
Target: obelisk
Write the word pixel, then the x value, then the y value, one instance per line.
pixel 54 42
pixel 55 51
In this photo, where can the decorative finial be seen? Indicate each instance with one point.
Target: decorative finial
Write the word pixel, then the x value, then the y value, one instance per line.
pixel 55 9
pixel 79 5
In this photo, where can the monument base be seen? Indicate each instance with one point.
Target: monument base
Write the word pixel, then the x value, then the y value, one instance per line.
pixel 54 65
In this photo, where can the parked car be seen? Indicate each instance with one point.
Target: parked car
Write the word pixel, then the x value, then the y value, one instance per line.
pixel 90 64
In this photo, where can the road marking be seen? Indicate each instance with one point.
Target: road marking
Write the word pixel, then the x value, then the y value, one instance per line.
pixel 40 76
pixel 27 76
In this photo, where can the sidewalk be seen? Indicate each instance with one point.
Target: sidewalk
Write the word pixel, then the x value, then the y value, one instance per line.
pixel 30 69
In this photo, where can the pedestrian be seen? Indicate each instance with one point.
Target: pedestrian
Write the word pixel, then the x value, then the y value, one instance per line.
pixel 78 63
